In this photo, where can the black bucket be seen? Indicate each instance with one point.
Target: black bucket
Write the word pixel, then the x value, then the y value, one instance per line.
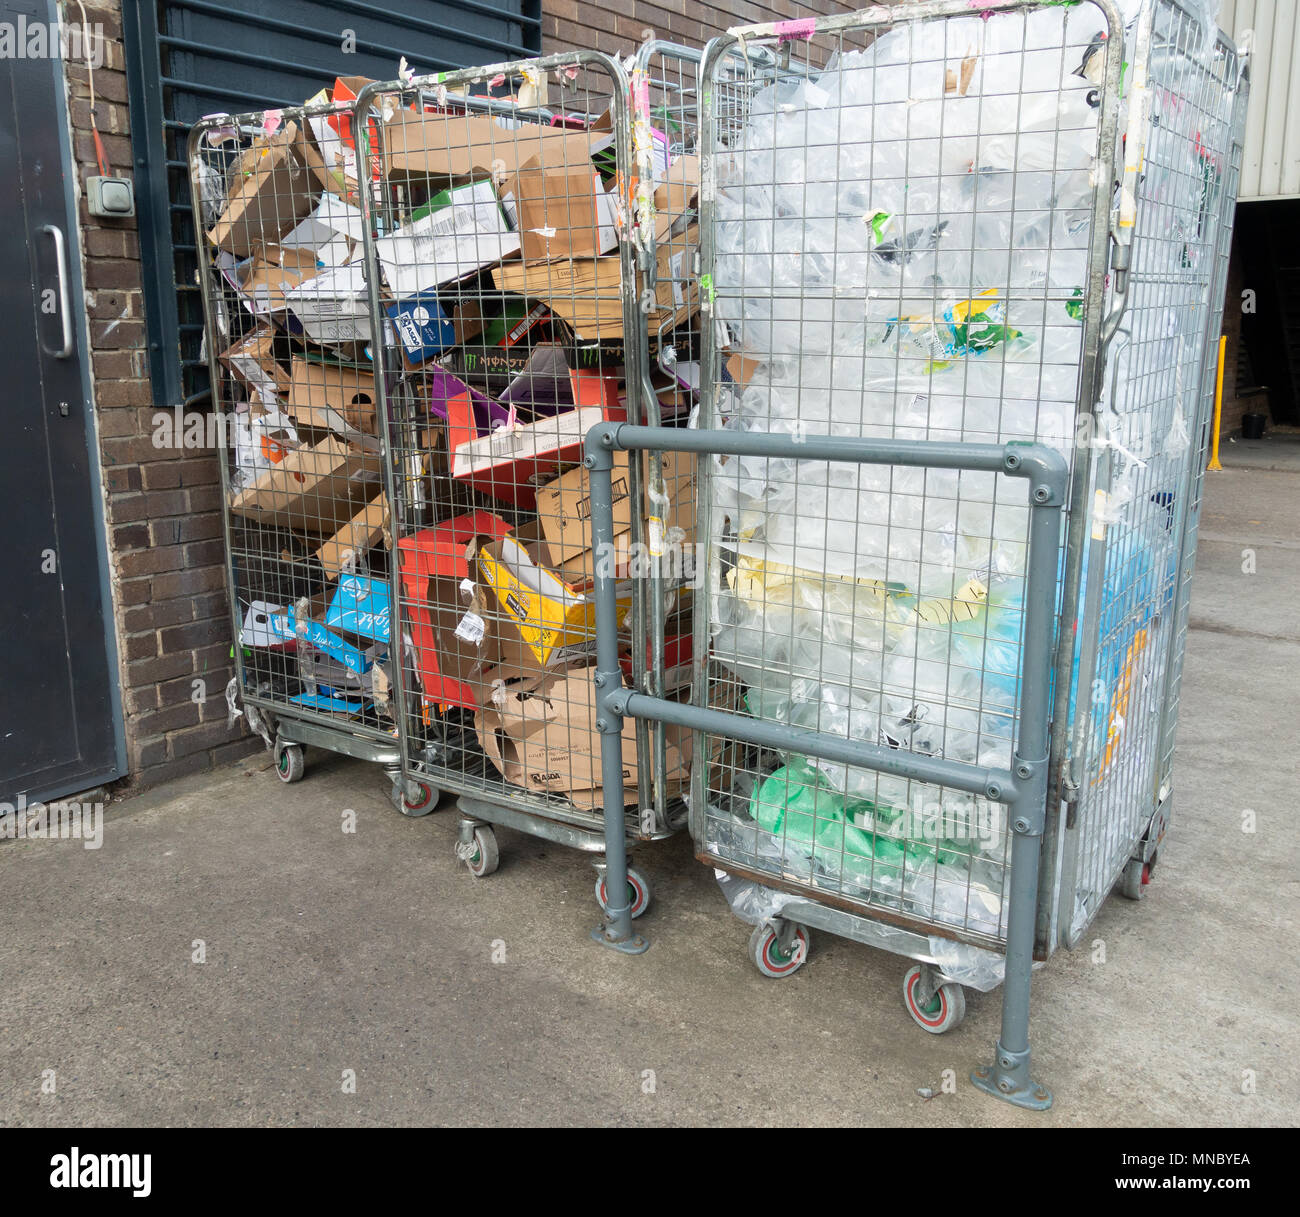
pixel 1252 426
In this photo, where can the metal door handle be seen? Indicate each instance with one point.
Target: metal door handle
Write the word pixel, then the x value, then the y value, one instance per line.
pixel 61 261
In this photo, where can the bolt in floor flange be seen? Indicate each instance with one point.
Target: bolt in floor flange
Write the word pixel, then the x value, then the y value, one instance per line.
pixel 1009 1080
pixel 636 945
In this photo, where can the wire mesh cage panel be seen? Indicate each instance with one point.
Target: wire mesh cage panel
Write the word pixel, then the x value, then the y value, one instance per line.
pixel 1152 436
pixel 905 243
pixel 664 121
pixel 503 291
pixel 293 411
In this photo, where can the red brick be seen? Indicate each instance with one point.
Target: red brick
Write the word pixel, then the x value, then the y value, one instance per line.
pixel 193 634
pixel 209 735
pixel 130 536
pixel 122 480
pixel 139 646
pixel 164 667
pixel 171 718
pixel 151 561
pixel 116 273
pixel 187 583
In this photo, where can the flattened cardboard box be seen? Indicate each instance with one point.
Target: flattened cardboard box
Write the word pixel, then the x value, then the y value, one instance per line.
pixel 587 293
pixel 564 212
pixel 359 534
pixel 267 278
pixel 315 489
pixel 320 394
pixel 454 148
pixel 510 462
pixel 564 505
pixel 541 735
pixel 252 362
pixel 273 190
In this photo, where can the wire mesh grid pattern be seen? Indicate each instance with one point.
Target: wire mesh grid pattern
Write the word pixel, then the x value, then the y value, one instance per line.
pixel 504 267
pixel 294 412
pixel 899 246
pixel 1155 416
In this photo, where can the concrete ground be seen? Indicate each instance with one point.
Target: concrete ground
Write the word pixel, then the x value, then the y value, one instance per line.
pixel 374 952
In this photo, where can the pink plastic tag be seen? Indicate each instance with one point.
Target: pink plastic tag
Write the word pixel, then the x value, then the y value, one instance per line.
pixel 271 121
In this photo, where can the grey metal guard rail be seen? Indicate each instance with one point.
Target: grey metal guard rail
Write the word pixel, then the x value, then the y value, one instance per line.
pixel 1023 789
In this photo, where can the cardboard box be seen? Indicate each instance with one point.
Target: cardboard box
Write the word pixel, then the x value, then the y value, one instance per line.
pixel 544 387
pixel 333 305
pixel 588 295
pixel 315 489
pixel 272 191
pixel 541 735
pixel 263 438
pixel 511 462
pixel 364 531
pixel 451 148
pixel 564 509
pixel 337 168
pixel 314 137
pixel 564 212
pixel 453 644
pixel 476 414
pixel 679 188
pixel 333 396
pixel 333 230
pixel 348 88
pixel 266 278
pixel 465 231
pixel 552 617
pixel 422 326
pixel 252 362
pixel 741 368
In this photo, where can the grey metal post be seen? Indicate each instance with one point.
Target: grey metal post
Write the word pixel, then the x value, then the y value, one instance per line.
pixel 1008 1077
pixel 616 929
pixel 1023 790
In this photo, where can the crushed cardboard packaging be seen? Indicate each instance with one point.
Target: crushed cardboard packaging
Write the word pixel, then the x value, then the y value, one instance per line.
pixel 541 735
pixel 509 463
pixel 460 148
pixel 464 230
pixel 422 327
pixel 588 293
pixel 475 413
pixel 252 361
pixel 328 173
pixel 564 509
pixel 316 488
pixel 333 396
pixel 267 277
pixel 333 230
pixel 272 190
pixel 333 305
pixel 263 438
pixel 564 212
pixel 544 387
pixel 453 644
pixel 741 368
pixel 342 552
pixel 554 619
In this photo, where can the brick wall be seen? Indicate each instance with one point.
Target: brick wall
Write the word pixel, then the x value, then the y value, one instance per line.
pixel 619 28
pixel 162 504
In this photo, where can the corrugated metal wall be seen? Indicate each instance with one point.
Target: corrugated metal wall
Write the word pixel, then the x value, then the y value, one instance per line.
pixel 1271 168
pixel 187 58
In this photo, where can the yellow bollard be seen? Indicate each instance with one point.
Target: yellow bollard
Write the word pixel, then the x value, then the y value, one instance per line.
pixel 1218 406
